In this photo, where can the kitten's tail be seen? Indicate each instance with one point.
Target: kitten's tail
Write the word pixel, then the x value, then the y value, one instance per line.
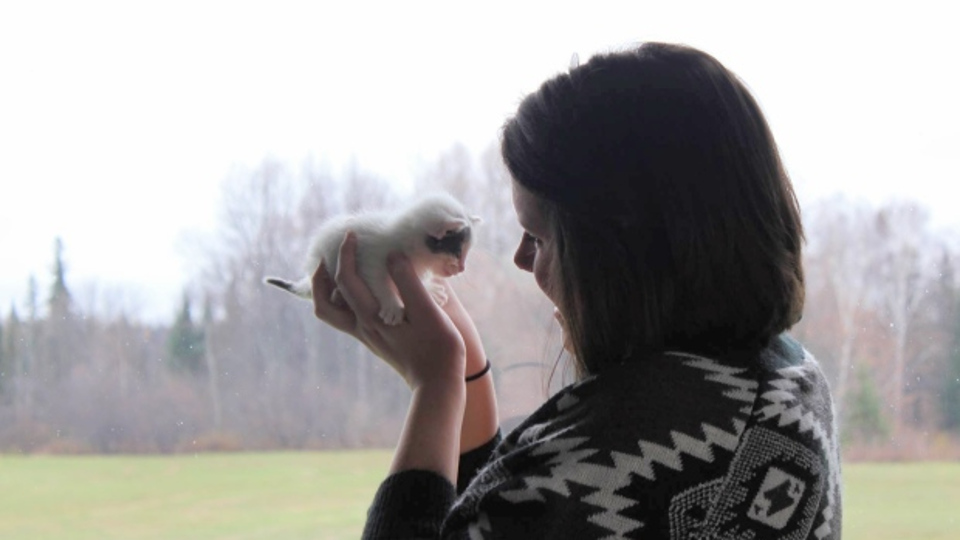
pixel 301 288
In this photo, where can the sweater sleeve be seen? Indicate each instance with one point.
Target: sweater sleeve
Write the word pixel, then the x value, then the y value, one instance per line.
pixel 409 504
pixel 413 504
pixel 472 461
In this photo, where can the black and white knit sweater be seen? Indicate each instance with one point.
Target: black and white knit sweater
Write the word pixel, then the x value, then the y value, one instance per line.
pixel 678 447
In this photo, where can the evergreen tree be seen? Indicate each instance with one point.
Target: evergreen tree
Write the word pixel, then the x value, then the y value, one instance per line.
pixel 864 418
pixel 5 371
pixel 32 302
pixel 30 337
pixel 10 345
pixel 185 343
pixel 10 355
pixel 62 336
pixel 60 302
pixel 14 365
pixel 950 393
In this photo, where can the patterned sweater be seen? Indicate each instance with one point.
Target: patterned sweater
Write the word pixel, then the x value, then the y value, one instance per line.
pixel 678 447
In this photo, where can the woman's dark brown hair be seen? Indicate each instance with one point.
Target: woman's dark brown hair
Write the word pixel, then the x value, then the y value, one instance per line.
pixel 675 224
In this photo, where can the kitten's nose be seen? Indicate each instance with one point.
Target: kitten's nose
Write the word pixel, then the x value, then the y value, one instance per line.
pixel 461 265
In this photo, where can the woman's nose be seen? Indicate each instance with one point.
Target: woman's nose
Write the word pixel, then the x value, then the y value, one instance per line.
pixel 523 258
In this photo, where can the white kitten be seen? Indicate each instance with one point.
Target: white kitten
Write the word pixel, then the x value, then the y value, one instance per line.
pixel 434 232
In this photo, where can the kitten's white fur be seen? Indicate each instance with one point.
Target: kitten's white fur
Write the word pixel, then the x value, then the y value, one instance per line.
pixel 380 233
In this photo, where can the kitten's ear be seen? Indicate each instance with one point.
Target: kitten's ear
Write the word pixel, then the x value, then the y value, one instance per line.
pixel 439 230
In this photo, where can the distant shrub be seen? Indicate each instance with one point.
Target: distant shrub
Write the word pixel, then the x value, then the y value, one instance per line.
pixel 865 420
pixel 213 441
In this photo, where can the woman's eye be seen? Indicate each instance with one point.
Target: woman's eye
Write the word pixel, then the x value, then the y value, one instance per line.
pixel 529 238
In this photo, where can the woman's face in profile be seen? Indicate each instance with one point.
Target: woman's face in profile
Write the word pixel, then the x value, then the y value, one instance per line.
pixel 537 250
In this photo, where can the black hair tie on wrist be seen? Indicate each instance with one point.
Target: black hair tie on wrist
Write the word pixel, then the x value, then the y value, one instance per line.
pixel 480 373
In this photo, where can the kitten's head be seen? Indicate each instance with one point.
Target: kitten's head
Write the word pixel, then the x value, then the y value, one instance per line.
pixel 445 234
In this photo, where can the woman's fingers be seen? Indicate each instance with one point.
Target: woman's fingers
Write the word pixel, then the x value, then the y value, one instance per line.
pixel 323 287
pixel 337 299
pixel 351 285
pixel 414 295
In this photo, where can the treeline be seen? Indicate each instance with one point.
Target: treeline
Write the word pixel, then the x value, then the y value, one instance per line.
pixel 241 365
pixel 244 366
pixel 883 316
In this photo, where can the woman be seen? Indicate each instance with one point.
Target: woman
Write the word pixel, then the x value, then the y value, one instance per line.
pixel 659 221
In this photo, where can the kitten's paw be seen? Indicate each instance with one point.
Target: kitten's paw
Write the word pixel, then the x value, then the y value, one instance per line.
pixel 391 315
pixel 438 292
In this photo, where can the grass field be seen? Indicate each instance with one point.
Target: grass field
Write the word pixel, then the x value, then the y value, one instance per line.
pixel 210 496
pixel 325 495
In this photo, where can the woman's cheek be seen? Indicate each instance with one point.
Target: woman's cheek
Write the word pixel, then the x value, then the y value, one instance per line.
pixel 545 273
pixel 542 275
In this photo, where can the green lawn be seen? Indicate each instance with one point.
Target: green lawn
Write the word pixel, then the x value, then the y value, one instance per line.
pixel 210 496
pixel 324 496
pixel 916 501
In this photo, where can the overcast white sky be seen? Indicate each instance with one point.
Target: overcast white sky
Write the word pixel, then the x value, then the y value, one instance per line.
pixel 118 121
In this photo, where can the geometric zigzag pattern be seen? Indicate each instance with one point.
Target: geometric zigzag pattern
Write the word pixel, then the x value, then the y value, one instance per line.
pixel 741 389
pixel 750 465
pixel 567 464
pixel 783 405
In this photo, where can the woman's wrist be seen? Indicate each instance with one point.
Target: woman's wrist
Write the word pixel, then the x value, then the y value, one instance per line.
pixel 437 381
pixel 483 371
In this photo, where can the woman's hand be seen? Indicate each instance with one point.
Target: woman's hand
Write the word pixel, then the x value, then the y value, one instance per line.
pixel 425 348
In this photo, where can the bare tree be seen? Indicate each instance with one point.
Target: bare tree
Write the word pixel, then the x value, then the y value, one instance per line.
pixel 500 231
pixel 454 172
pixel 213 367
pixel 905 274
pixel 841 259
pixel 363 191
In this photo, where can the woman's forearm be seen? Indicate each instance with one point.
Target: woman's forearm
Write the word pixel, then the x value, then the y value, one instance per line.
pixel 480 419
pixel 432 431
